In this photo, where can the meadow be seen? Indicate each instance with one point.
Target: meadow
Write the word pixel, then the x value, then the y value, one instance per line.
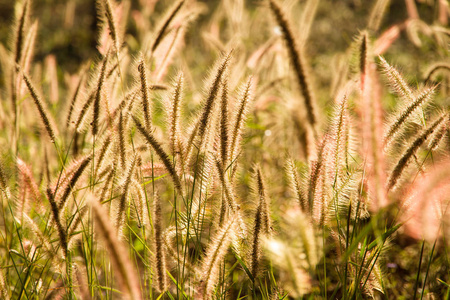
pixel 232 149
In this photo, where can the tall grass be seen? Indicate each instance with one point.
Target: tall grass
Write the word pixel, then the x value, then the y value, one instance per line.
pixel 130 181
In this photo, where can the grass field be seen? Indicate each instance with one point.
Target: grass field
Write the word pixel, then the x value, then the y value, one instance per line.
pixel 224 149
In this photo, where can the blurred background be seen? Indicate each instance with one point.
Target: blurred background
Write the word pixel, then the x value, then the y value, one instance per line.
pixel 414 35
pixel 69 28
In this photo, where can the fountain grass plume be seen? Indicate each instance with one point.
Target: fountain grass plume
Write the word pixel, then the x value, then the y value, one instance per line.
pixel 145 93
pixel 298 62
pixel 56 217
pixel 173 117
pixel 165 24
pixel 120 217
pixel 239 119
pixel 21 31
pixel 214 255
pixel 294 182
pixel 224 123
pixel 410 152
pixel 401 118
pixel 98 96
pixel 43 112
pixel 156 145
pixel 161 283
pixel 212 95
pixel 73 181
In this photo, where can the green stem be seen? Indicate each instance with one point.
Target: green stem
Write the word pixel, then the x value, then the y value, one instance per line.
pixel 418 271
pixel 69 273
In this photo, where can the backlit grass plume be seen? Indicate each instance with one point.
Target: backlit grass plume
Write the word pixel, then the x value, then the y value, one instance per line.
pixel 92 96
pixel 262 227
pixel 227 186
pixel 377 14
pixel 99 96
pixel 27 183
pixel 317 175
pixel 435 68
pixel 43 112
pixel 20 33
pixel 412 103
pixel 73 181
pixel 214 255
pixel 209 103
pixel 424 97
pixel 3 181
pixel 263 202
pixel 405 159
pixel 122 138
pixel 396 80
pixel 162 30
pixel 28 47
pixel 108 10
pixel 224 123
pixel 63 240
pixel 161 153
pixel 424 209
pixel 295 185
pixel 145 92
pixel 174 115
pixel 159 246
pixel 298 62
pixel 239 118
pixel 121 211
pixel 75 98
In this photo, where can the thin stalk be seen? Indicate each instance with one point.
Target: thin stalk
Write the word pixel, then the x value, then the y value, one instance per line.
pixel 347 240
pixel 69 274
pixel 428 269
pixel 418 270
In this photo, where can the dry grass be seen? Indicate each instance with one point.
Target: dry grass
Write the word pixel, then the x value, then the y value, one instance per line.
pixel 129 181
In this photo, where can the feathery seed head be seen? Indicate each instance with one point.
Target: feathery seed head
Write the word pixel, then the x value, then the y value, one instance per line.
pixel 410 152
pixel 224 124
pixel 240 114
pixel 214 255
pixel 45 116
pixel 264 202
pixel 125 192
pixel 363 57
pixel 174 116
pixel 145 92
pixel 28 47
pixel 424 208
pixel 295 184
pixel 407 112
pixel 28 182
pixel 73 180
pixel 108 10
pixel 441 66
pixel 165 24
pixel 209 104
pixel 156 145
pixel 396 80
pixel 22 20
pixel 298 62
pixel 122 139
pixel 98 95
pixel 56 216
pixel 159 245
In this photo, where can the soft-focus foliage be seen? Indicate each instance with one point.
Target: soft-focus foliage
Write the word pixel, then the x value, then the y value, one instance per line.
pixel 224 149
